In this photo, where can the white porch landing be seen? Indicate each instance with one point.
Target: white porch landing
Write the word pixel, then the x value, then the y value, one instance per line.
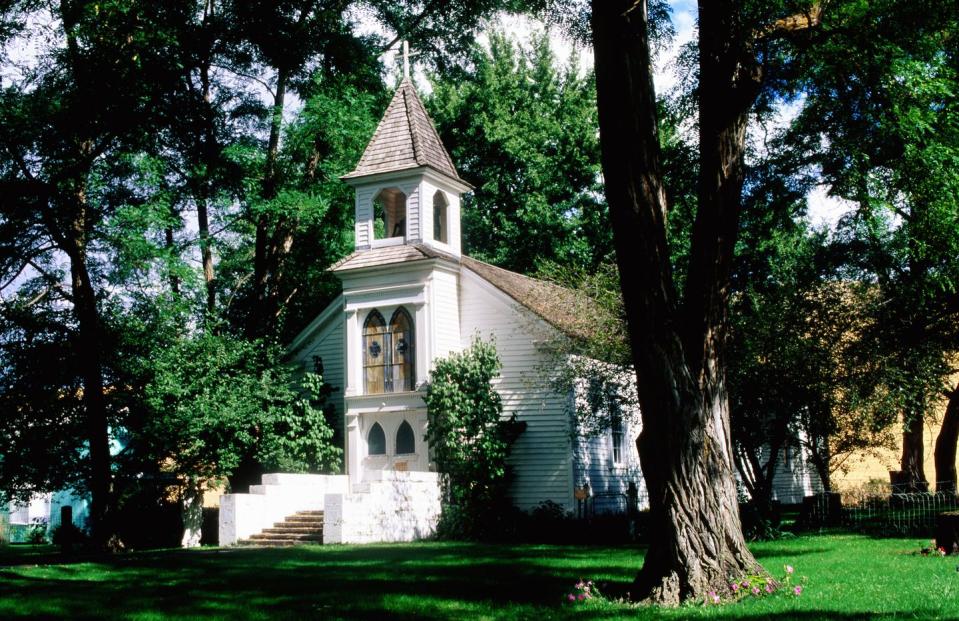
pixel 387 506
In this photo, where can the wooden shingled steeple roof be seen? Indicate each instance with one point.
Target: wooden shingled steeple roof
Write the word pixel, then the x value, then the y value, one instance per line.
pixel 404 139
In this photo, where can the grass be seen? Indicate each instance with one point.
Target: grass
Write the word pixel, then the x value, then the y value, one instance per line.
pixel 849 577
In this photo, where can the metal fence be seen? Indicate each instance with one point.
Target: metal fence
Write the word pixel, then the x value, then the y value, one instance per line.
pixel 878 508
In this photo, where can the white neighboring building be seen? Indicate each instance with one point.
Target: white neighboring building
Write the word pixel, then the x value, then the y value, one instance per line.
pixel 42 510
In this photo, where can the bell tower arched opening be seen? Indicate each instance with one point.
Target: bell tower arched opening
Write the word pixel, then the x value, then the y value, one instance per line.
pixel 389 214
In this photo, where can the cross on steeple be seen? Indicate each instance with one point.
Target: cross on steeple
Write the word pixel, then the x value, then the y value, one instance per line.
pixel 406 59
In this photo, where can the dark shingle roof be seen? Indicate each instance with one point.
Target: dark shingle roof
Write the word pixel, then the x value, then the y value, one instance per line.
pixel 571 312
pixel 405 138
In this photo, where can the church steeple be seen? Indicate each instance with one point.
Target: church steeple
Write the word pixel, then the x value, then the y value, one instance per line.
pixel 407 188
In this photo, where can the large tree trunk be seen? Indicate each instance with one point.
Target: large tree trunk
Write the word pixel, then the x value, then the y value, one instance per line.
pixel 72 236
pixel 88 342
pixel 913 455
pixel 685 449
pixel 263 315
pixel 945 453
pixel 192 501
pixel 210 151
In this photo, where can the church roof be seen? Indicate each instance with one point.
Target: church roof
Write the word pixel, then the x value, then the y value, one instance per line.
pixel 567 310
pixel 389 255
pixel 405 138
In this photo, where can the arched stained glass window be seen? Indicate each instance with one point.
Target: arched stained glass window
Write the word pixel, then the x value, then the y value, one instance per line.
pixel 388 353
pixel 401 333
pixel 375 352
pixel 405 440
pixel 376 440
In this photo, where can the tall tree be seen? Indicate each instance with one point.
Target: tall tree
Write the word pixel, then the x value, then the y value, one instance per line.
pixel 879 122
pixel 523 131
pixel 678 341
pixel 58 128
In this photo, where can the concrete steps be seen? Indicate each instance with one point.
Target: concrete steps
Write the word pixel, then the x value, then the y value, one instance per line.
pixel 303 527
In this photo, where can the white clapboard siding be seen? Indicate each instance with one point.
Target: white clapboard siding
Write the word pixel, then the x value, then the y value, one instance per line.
pixel 446 313
pixel 364 217
pixel 795 477
pixel 541 459
pixel 328 342
pixel 593 463
pixel 413 215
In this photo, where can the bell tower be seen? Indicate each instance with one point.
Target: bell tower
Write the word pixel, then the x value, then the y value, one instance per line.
pixel 407 189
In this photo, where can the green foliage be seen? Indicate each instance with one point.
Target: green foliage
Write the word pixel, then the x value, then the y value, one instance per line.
pixel 879 125
pixel 524 132
pixel 469 440
pixel 215 400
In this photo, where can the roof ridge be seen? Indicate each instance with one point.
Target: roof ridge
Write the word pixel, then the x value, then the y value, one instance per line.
pixel 411 124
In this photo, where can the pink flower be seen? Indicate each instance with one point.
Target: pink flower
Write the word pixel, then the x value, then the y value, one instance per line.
pixel 789 569
pixel 734 586
pixel 755 590
pixel 798 590
pixel 769 588
pixel 713 597
pixel 581 597
pixel 745 584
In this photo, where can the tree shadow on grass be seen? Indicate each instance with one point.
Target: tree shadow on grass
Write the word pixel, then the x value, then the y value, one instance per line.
pixel 422 581
pixel 428 581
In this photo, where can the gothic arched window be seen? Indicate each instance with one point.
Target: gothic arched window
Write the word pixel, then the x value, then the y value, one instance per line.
pixel 388 353
pixel 376 440
pixel 405 440
pixel 375 352
pixel 401 334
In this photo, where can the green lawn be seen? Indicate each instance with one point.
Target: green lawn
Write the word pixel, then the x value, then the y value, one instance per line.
pixel 849 577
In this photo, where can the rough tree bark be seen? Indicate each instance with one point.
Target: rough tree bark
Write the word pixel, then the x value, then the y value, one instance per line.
pixel 685 448
pixel 945 452
pixel 913 476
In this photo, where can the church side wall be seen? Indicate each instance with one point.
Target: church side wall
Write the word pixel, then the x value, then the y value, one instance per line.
pixel 608 479
pixel 329 344
pixel 542 456
pixel 446 313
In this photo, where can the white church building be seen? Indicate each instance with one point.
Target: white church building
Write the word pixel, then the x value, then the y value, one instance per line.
pixel 409 297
